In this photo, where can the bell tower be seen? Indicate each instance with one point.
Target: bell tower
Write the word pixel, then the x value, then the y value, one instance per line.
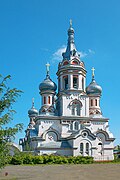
pixel 71 80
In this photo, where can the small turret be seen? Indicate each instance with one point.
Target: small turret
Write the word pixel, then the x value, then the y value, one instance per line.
pixel 33 112
pixel 47 84
pixel 94 91
pixel 47 91
pixel 93 88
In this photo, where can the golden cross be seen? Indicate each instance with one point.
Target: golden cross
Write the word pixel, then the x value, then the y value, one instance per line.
pixel 93 70
pixel 47 67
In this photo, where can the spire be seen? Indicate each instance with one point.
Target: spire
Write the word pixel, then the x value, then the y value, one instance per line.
pixel 93 73
pixel 70 23
pixel 33 102
pixel 71 49
pixel 47 70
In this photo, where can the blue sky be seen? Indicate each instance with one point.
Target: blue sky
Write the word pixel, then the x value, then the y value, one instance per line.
pixel 33 32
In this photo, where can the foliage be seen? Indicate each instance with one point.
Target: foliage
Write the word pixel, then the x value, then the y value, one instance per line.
pixel 27 158
pixel 8 97
pixel 16 160
pixel 116 158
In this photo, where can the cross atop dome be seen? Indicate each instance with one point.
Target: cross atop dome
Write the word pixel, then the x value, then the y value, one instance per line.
pixel 93 72
pixel 33 102
pixel 70 22
pixel 47 71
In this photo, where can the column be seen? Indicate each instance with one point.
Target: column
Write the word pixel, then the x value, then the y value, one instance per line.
pixel 84 83
pixel 70 81
pixel 61 82
pixel 80 82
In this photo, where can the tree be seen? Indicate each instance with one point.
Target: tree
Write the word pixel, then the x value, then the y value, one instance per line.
pixel 8 97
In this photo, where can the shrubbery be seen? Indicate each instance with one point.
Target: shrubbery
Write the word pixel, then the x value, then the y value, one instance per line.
pixel 27 158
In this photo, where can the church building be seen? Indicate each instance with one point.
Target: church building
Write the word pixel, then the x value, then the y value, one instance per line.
pixel 70 121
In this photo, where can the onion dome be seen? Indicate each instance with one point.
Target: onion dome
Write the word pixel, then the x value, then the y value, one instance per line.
pixel 47 84
pixel 33 111
pixel 93 87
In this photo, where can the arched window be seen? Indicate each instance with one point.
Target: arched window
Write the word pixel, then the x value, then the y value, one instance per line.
pixel 48 99
pixel 76 108
pixel 82 83
pixel 43 110
pixel 66 82
pixel 87 148
pixel 74 62
pixel 71 126
pixel 65 63
pixel 81 148
pixel 73 110
pixel 91 102
pixel 58 84
pixel 75 82
pixel 95 102
pixel 44 100
pixel 76 125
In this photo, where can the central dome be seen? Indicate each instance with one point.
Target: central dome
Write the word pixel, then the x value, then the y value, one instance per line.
pixel 47 84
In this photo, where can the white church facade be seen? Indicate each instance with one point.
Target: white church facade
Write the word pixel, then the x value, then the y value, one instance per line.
pixel 69 122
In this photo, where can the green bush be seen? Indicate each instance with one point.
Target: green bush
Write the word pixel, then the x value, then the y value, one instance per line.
pixel 16 160
pixel 71 160
pixel 27 158
pixel 38 160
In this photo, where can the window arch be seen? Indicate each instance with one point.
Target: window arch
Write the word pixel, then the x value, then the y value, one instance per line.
pixel 75 82
pixel 76 125
pixel 44 99
pixel 81 148
pixel 74 62
pixel 95 102
pixel 43 110
pixel 48 99
pixel 76 107
pixel 87 148
pixel 91 102
pixel 71 126
pixel 65 63
pixel 65 82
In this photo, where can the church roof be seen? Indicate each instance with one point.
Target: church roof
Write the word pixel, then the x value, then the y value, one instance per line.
pixel 54 144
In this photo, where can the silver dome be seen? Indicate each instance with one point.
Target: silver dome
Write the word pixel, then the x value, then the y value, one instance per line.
pixel 93 88
pixel 47 84
pixel 33 112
